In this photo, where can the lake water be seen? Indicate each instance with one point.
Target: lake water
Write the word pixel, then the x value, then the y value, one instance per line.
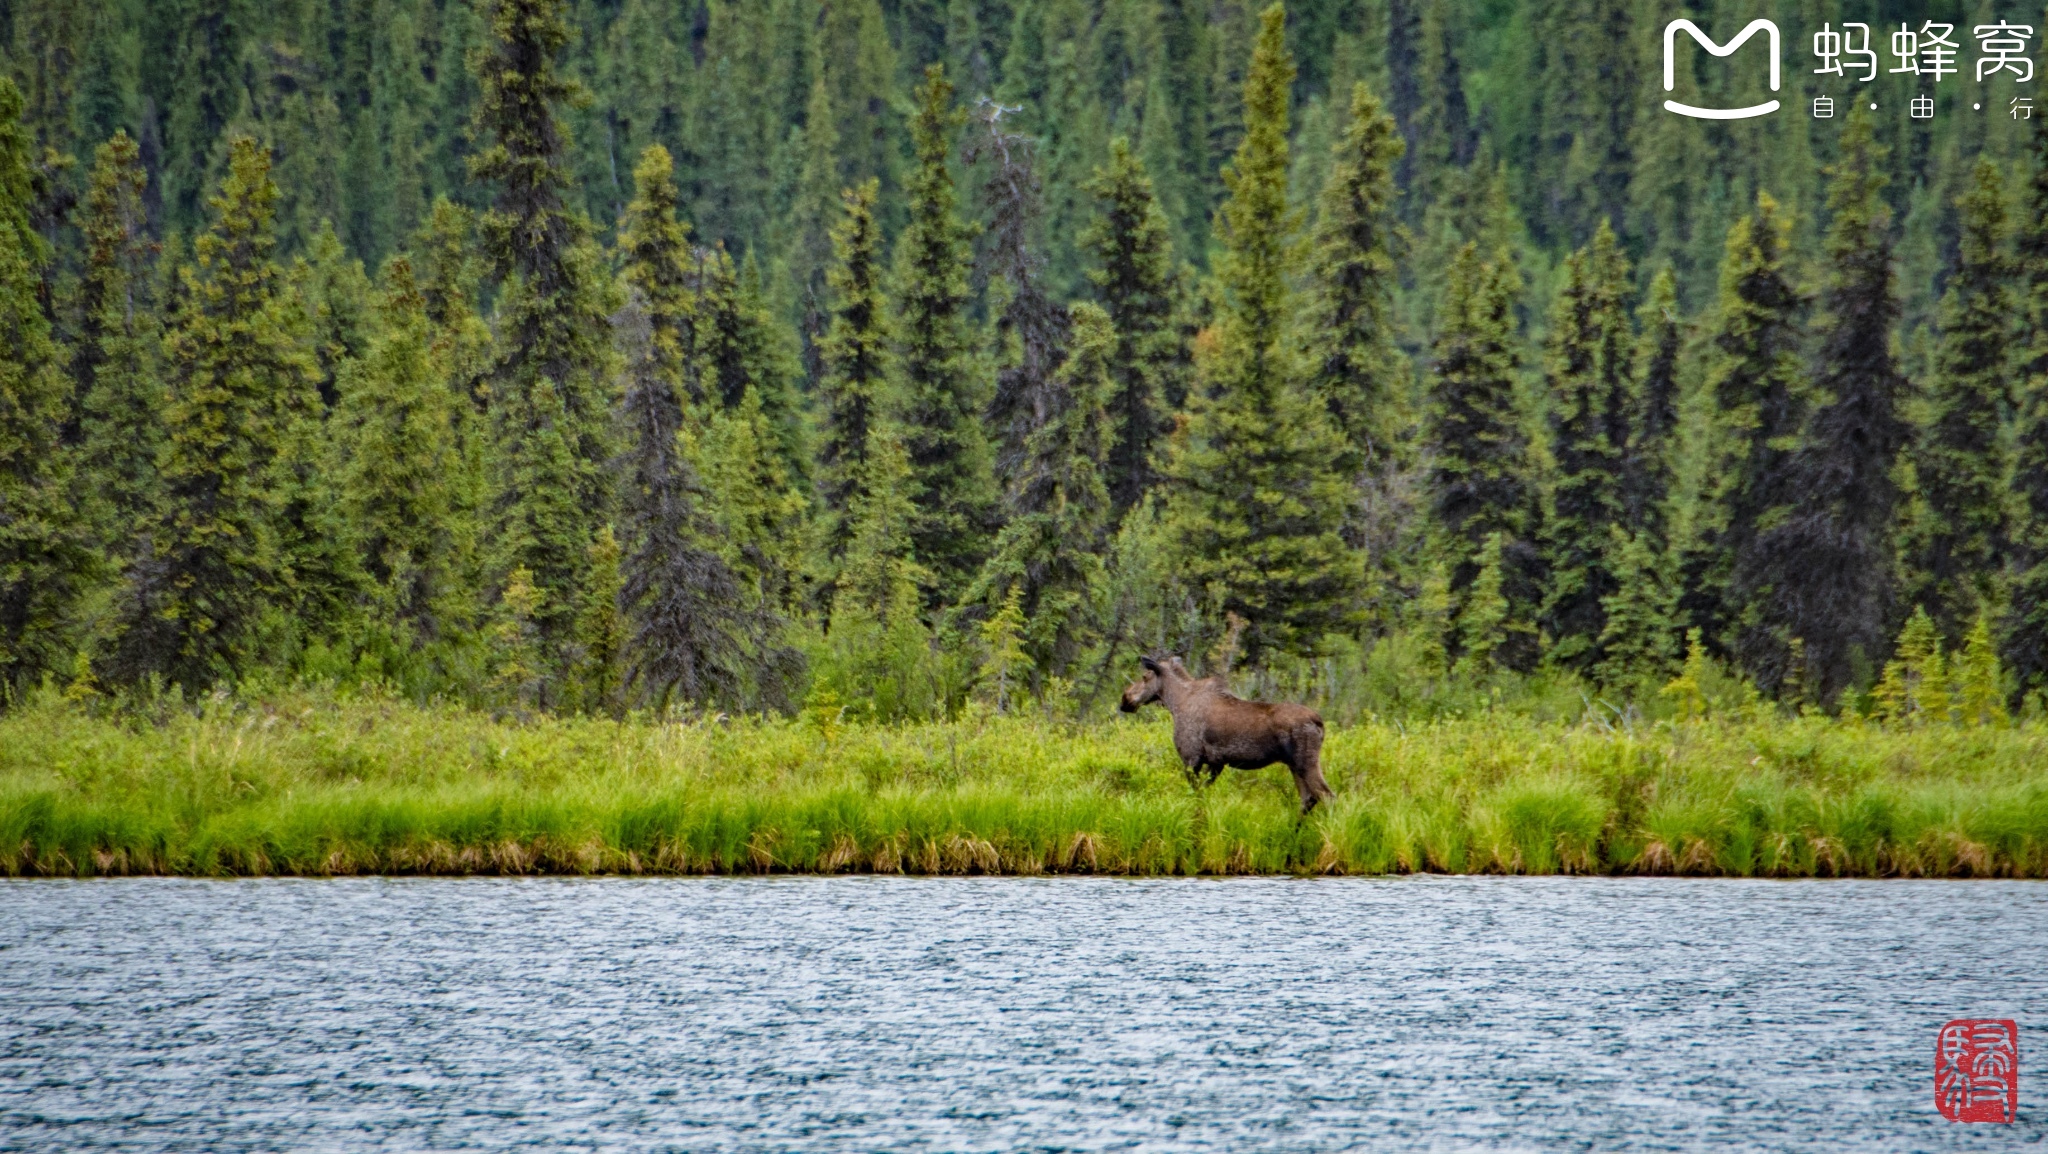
pixel 870 1014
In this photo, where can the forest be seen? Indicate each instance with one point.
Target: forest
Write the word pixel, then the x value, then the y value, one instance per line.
pixel 889 358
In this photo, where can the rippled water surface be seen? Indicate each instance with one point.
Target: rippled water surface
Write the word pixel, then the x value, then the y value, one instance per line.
pixel 868 1014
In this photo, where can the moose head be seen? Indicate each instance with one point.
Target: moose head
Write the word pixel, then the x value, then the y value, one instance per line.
pixel 1145 689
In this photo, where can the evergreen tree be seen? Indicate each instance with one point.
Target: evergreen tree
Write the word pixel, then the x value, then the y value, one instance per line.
pixel 859 66
pixel 1958 540
pixel 1348 319
pixel 114 364
pixel 199 99
pixel 338 299
pixel 395 429
pixel 45 543
pixel 1030 328
pixel 1754 379
pixel 2025 634
pixel 1831 558
pixel 740 349
pixel 400 103
pixel 1131 244
pixel 1639 638
pixel 548 400
pixel 1049 553
pixel 240 378
pixel 1592 392
pixel 1479 480
pixel 758 506
pixel 1256 502
pixel 854 362
pixel 1651 466
pixel 938 392
pixel 880 579
pixel 686 632
pixel 654 246
pixel 811 247
pixel 601 630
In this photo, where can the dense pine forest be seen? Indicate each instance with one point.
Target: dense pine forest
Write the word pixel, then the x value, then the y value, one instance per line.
pixel 871 357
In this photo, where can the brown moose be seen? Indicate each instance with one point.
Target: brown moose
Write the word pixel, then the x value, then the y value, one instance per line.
pixel 1214 729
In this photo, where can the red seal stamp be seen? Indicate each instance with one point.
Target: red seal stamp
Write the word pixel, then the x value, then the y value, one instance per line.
pixel 1977 1070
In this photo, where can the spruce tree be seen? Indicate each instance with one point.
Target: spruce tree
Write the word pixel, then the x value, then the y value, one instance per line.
pixel 1131 246
pixel 811 244
pixel 2025 630
pixel 338 299
pixel 398 464
pixel 1639 635
pixel 1754 378
pixel 1479 480
pixel 853 361
pixel 200 98
pixel 1256 501
pixel 1049 553
pixel 1958 539
pixel 686 633
pixel 1030 328
pixel 1590 380
pixel 1651 464
pixel 740 348
pixel 1832 557
pixel 654 247
pixel 880 579
pixel 939 396
pixel 114 364
pixel 240 380
pixel 1348 320
pixel 549 386
pixel 46 557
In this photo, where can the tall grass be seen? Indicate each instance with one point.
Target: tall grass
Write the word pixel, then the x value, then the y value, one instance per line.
pixel 301 784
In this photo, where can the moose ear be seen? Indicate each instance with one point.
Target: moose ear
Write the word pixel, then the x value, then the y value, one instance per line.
pixel 1149 664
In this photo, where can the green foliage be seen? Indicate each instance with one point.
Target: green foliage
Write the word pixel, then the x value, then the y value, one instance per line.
pixel 46 556
pixel 241 378
pixel 939 395
pixel 1256 501
pixel 1591 384
pixel 311 785
pixel 1485 622
pixel 1480 482
pixel 1651 466
pixel 1639 639
pixel 114 366
pixel 1958 539
pixel 601 630
pixel 1347 317
pixel 1915 688
pixel 1831 558
pixel 1048 556
pixel 854 362
pixel 549 398
pixel 397 466
pixel 1755 379
pixel 2025 640
pixel 1131 244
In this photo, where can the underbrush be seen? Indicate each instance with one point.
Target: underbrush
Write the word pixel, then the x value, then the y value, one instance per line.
pixel 306 783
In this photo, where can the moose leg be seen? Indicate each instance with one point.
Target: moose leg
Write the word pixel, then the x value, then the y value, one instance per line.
pixel 1215 771
pixel 1308 768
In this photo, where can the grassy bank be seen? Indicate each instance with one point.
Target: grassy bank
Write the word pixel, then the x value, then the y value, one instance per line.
pixel 311 786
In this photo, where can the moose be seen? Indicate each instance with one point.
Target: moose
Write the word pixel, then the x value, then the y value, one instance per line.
pixel 1214 730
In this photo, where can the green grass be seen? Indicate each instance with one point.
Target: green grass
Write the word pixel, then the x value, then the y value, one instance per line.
pixel 309 785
